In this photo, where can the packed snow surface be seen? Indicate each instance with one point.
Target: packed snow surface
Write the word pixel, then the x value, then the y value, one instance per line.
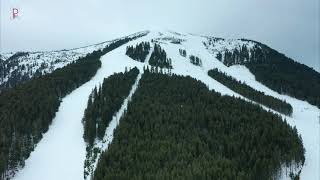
pixel 61 152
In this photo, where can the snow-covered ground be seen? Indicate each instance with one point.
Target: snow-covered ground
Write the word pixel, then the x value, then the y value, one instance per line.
pixel 61 153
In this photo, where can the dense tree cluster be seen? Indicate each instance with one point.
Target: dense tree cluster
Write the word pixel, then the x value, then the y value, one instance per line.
pixel 159 58
pixel 139 52
pixel 175 128
pixel 250 93
pixel 195 60
pixel 276 71
pixel 27 110
pixel 104 102
pixel 183 52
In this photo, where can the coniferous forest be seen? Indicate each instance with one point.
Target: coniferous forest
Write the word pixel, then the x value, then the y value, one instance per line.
pixel 175 128
pixel 27 110
pixel 104 102
pixel 276 71
pixel 139 52
pixel 159 58
pixel 250 93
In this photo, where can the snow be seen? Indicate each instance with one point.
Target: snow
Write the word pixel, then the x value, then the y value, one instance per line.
pixel 63 147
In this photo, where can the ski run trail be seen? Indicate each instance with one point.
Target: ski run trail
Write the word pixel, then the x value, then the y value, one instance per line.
pixel 60 155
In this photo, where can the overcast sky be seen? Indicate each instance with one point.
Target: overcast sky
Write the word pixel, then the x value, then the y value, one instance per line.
pixel 290 26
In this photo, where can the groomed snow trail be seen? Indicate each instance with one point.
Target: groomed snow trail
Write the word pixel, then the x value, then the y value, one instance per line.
pixel 61 153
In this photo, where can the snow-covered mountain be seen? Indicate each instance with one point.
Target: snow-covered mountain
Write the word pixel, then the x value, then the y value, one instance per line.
pixel 49 160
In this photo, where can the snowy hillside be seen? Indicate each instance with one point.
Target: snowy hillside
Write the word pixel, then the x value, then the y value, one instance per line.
pixel 16 67
pixel 63 146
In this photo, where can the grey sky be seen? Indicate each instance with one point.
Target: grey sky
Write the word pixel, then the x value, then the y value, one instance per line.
pixel 290 26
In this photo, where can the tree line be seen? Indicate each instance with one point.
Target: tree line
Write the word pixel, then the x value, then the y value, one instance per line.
pixel 175 128
pixel 138 52
pixel 250 93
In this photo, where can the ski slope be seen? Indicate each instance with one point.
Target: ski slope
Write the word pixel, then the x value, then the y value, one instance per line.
pixel 61 152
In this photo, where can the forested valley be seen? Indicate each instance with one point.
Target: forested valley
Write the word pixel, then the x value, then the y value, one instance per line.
pixel 175 128
pixel 250 93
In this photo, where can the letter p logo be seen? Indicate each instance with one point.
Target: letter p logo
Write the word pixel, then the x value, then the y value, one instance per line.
pixel 15 13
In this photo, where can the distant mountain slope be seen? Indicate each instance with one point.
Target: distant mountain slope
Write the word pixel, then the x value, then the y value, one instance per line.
pixel 19 67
